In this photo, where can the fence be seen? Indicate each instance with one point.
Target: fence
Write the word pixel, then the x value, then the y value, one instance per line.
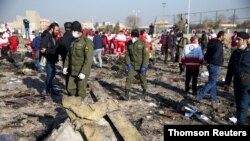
pixel 234 18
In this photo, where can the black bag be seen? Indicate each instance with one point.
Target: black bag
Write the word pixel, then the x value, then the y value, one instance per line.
pixel 245 79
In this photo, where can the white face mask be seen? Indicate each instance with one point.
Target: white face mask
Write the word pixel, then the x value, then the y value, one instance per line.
pixel 242 47
pixel 75 34
pixel 134 39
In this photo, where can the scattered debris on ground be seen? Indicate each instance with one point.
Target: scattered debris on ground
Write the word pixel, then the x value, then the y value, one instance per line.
pixel 26 115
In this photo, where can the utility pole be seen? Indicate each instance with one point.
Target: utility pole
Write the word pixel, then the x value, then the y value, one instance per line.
pixel 164 6
pixel 200 17
pixel 174 20
pixel 234 19
pixel 188 22
pixel 92 20
pixel 136 13
pixel 216 16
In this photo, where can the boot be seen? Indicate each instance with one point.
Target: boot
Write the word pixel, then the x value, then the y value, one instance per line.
pixel 181 69
pixel 125 96
pixel 144 94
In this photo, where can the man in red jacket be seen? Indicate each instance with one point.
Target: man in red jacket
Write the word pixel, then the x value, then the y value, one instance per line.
pixel 13 44
pixel 121 39
pixel 233 41
pixel 192 57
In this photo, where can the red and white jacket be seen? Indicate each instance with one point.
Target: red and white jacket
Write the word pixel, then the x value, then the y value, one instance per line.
pixel 5 39
pixel 192 56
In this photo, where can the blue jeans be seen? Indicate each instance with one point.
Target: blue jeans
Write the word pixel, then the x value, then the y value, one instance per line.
pixel 211 84
pixel 27 33
pixel 38 65
pixel 51 72
pixel 242 99
pixel 98 53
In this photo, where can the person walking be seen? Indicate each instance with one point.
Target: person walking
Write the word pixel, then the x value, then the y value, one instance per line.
pixel 137 61
pixel 214 58
pixel 48 49
pixel 98 46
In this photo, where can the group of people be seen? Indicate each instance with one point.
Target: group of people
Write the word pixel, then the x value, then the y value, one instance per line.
pixel 8 41
pixel 207 50
pixel 78 52
pixel 238 69
pixel 77 55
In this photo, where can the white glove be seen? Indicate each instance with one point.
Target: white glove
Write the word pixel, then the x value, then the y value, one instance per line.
pixel 81 76
pixel 65 71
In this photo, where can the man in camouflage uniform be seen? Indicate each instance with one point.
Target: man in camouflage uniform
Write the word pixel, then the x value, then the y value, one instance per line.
pixel 78 62
pixel 137 62
pixel 182 42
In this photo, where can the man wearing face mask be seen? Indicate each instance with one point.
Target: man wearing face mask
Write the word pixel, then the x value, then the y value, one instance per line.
pixel 137 62
pixel 48 49
pixel 239 69
pixel 78 62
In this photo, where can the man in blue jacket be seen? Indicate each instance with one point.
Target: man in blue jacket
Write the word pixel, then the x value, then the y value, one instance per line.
pixel 36 46
pixel 98 45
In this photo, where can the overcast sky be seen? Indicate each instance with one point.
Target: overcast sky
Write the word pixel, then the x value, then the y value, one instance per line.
pixel 110 10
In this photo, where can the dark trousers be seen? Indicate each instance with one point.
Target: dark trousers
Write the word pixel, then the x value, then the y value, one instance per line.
pixel 163 47
pixel 51 72
pixel 5 51
pixel 242 99
pixel 194 75
pixel 172 54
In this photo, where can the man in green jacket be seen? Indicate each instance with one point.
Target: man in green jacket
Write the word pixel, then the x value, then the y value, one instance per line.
pixel 137 62
pixel 78 62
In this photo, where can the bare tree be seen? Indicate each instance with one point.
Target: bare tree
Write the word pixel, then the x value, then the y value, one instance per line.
pixel 233 19
pixel 207 23
pixel 181 22
pixel 109 28
pixel 117 28
pixel 133 21
pixel 245 24
pixel 220 19
pixel 96 25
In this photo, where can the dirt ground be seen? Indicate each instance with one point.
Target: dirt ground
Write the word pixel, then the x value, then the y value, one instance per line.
pixel 25 115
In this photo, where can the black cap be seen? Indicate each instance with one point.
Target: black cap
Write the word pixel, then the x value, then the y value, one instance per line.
pixel 67 25
pixel 135 33
pixel 243 35
pixel 76 26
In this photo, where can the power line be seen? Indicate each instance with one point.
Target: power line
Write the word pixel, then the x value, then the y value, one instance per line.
pixel 209 11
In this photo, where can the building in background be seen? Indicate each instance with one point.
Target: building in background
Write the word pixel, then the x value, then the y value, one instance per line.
pixel 87 25
pixel 36 22
pixel 44 23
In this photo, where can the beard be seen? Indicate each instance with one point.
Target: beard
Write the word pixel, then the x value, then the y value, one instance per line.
pixel 54 34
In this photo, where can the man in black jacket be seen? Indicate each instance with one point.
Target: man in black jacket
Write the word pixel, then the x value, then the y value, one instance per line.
pixel 214 59
pixel 239 69
pixel 65 42
pixel 48 49
pixel 170 47
pixel 64 45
